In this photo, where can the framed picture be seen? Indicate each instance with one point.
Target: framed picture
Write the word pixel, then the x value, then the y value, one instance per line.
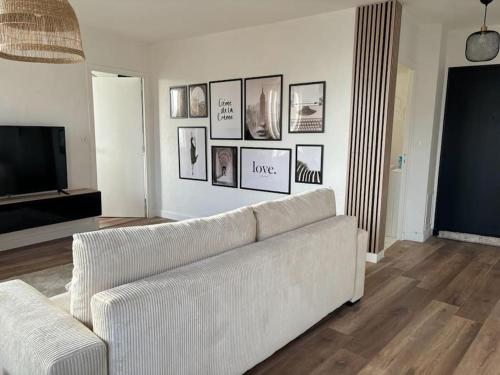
pixel 192 153
pixel 178 102
pixel 198 100
pixel 226 109
pixel 307 108
pixel 265 169
pixel 263 98
pixel 309 164
pixel 225 166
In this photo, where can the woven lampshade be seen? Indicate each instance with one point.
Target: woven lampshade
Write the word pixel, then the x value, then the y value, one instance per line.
pixel 43 31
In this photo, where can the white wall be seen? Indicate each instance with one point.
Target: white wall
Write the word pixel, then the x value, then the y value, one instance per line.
pixel 59 95
pixel 307 49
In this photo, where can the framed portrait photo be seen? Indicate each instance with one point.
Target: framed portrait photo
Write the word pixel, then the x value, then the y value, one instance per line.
pixel 263 102
pixel 309 164
pixel 265 169
pixel 307 108
pixel 226 109
pixel 198 100
pixel 225 166
pixel 178 102
pixel 192 153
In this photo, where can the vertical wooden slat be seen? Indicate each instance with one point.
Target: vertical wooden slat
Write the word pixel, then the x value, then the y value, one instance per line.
pixel 375 68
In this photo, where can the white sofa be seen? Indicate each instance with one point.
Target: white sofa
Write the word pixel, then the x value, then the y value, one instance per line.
pixel 215 295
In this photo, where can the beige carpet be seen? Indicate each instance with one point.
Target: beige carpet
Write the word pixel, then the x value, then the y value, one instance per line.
pixel 49 282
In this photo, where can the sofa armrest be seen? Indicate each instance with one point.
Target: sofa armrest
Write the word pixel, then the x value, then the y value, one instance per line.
pixel 361 250
pixel 39 338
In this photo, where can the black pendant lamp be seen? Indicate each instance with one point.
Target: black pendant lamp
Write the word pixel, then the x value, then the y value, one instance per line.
pixel 485 44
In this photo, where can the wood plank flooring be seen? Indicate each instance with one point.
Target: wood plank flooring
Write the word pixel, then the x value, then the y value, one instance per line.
pixel 431 308
pixel 54 253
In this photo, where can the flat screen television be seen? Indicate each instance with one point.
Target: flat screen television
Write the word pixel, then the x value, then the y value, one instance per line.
pixel 32 159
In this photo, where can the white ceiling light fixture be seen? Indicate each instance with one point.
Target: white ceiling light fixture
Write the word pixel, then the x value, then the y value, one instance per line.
pixel 483 45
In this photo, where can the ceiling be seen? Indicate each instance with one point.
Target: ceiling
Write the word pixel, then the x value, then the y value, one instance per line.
pixel 153 21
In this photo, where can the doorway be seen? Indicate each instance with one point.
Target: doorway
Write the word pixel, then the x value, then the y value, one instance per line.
pixel 468 200
pixel 118 104
pixel 397 173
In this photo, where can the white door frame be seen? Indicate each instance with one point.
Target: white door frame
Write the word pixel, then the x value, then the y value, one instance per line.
pixel 148 129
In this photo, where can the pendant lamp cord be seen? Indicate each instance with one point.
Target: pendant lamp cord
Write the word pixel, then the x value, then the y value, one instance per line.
pixel 485 14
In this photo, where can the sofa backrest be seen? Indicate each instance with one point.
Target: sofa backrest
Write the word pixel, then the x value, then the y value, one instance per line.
pixel 283 215
pixel 109 258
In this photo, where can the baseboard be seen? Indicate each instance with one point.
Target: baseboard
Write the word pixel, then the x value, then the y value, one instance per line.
pixel 418 236
pixel 154 212
pixel 174 215
pixel 46 233
pixel 375 258
pixel 472 238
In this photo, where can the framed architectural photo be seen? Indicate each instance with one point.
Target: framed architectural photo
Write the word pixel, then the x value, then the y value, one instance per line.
pixel 263 98
pixel 307 108
pixel 225 166
pixel 309 164
pixel 198 100
pixel 265 169
pixel 226 109
pixel 178 102
pixel 192 153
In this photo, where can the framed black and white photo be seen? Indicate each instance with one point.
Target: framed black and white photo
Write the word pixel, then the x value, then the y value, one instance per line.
pixel 263 102
pixel 178 102
pixel 198 100
pixel 265 169
pixel 192 153
pixel 309 164
pixel 225 166
pixel 307 107
pixel 226 109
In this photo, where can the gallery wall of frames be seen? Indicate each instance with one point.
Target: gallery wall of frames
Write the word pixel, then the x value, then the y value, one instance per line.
pixel 243 110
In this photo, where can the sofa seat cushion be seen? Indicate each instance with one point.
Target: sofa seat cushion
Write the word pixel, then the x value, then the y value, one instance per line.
pixel 62 301
pixel 283 215
pixel 109 258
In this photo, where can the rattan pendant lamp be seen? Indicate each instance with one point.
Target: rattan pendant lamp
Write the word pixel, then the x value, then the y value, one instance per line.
pixel 41 31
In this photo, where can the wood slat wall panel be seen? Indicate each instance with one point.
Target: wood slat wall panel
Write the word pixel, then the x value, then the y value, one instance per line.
pixel 375 68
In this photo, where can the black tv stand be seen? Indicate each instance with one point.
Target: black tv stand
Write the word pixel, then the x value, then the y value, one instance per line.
pixel 61 191
pixel 18 213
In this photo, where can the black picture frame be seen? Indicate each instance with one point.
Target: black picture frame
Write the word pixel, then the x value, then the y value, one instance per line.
pixel 312 176
pixel 185 88
pixel 280 76
pixel 204 88
pixel 289 150
pixel 179 152
pixel 234 150
pixel 240 80
pixel 323 83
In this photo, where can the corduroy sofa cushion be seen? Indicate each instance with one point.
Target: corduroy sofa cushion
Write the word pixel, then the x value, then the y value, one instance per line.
pixel 283 215
pixel 109 258
pixel 38 338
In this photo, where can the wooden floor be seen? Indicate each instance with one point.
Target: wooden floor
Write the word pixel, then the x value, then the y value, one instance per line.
pixel 54 253
pixel 430 308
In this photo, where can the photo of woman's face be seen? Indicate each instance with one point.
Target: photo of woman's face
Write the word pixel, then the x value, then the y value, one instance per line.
pixel 263 108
